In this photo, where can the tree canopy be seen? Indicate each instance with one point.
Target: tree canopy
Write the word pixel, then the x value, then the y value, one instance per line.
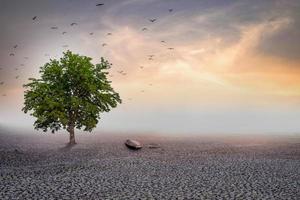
pixel 71 93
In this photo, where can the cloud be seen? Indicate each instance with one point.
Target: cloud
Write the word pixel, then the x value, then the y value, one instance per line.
pixel 228 54
pixel 207 65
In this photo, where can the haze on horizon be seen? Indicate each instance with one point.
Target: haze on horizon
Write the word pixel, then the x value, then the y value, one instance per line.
pixel 233 66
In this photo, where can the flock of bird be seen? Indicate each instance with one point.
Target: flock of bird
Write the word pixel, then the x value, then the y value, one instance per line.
pixel 121 72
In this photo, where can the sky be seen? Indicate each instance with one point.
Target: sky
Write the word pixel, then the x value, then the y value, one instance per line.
pixel 218 66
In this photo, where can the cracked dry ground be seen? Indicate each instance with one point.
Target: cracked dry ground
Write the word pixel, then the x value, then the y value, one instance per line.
pixel 177 170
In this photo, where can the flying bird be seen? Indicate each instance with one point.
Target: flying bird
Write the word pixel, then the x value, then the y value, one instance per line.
pixel 171 48
pixel 152 20
pixel 91 33
pixel 17 77
pixel 11 54
pixel 16 69
pixel 104 44
pixel 1 83
pixel 144 29
pixel 64 32
pixel 4 95
pixel 163 41
pixel 54 27
pixel 122 72
pixel 272 19
pixel 34 18
pixel 109 33
pixel 73 24
pixel 170 10
pixel 100 4
pixel 15 46
pixel 141 67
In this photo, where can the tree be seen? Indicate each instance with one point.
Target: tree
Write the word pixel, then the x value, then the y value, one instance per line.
pixel 71 93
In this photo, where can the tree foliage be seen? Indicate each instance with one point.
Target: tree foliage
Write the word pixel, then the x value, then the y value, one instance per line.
pixel 71 93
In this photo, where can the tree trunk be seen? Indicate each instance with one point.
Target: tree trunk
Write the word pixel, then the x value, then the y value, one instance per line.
pixel 72 135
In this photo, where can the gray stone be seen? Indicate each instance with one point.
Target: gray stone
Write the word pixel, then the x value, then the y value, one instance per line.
pixel 133 144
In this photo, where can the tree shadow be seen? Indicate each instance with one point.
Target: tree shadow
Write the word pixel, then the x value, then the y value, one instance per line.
pixel 67 148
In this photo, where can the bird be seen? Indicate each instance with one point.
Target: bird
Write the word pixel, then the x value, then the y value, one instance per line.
pixel 22 65
pixel 141 67
pixel 109 33
pixel 144 29
pixel 11 54
pixel 91 33
pixel 1 83
pixel 16 69
pixel 150 57
pixel 73 24
pixel 170 10
pixel 15 46
pixel 34 18
pixel 4 95
pixel 64 32
pixel 100 4
pixel 171 48
pixel 142 90
pixel 0 68
pixel 17 77
pixel 163 41
pixel 272 19
pixel 122 72
pixel 104 44
pixel 26 58
pixel 152 20
pixel 54 27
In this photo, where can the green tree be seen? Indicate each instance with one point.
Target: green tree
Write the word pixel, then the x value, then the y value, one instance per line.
pixel 71 93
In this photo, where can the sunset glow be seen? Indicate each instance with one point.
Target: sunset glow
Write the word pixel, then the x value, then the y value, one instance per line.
pixel 210 58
